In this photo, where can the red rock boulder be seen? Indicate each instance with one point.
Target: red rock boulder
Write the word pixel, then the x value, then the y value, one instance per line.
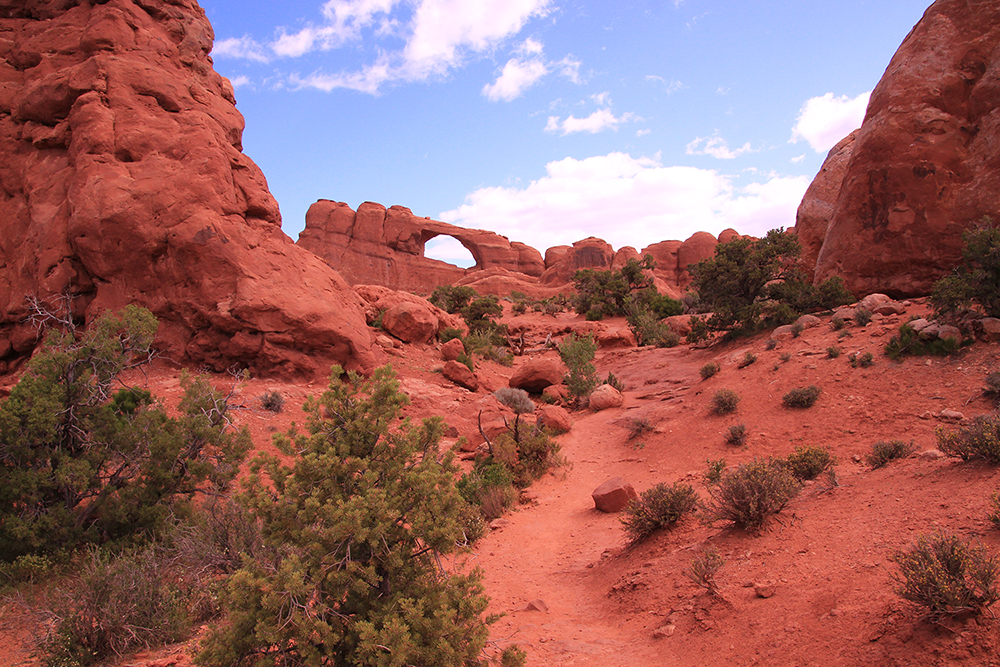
pixel 535 374
pixel 614 495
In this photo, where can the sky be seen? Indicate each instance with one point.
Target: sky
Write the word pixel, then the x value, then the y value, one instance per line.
pixel 548 121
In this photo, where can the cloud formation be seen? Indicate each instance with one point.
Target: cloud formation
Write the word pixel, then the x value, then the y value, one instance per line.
pixel 717 147
pixel 825 120
pixel 520 73
pixel 437 35
pixel 628 201
pixel 600 120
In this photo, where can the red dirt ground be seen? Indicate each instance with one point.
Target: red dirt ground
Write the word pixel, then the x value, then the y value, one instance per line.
pixel 827 554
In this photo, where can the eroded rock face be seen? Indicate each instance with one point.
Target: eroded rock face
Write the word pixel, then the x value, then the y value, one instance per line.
pixel 926 163
pixel 386 246
pixel 124 182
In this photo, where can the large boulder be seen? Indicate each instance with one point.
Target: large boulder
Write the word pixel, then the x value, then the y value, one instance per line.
pixel 386 246
pixel 124 182
pixel 605 397
pixel 613 495
pixel 535 374
pixel 461 375
pixel 411 322
pixel 590 253
pixel 924 167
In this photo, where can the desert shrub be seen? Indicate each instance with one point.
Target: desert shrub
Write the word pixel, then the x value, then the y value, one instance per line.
pixel 638 426
pixel 216 539
pixel 885 451
pixel 466 358
pixel 801 397
pixel 737 435
pixel 699 330
pixel 992 387
pixel 797 329
pixel 979 438
pixel 947 576
pixel 864 360
pixel 657 508
pixel 519 308
pixel 81 463
pixel 703 569
pixel 528 459
pixel 747 359
pixel 862 316
pixel 359 514
pixel 449 333
pixel 119 603
pixel 770 344
pixel 994 515
pixel 709 369
pixel 843 333
pixel 26 568
pixel 807 462
pixel 975 284
pixel 519 403
pixel 837 323
pixel 605 293
pixel 577 352
pixel 908 342
pixel 714 469
pixel 725 401
pixel 479 314
pixel 785 357
pixel 489 486
pixel 748 495
pixel 272 401
pixel 452 298
pixel 613 380
pixel 832 352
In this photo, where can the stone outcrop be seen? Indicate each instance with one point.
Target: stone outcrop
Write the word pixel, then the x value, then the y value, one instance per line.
pixel 124 181
pixel 924 166
pixel 386 247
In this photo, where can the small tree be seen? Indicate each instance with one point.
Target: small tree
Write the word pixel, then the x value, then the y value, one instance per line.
pixel 358 520
pixel 577 352
pixel 975 284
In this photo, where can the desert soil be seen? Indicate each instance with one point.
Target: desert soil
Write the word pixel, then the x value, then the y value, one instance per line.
pixel 573 591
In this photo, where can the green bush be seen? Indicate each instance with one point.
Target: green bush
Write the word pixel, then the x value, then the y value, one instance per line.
pixel 449 333
pixel 657 508
pixel 750 494
pixel 358 514
pixel 714 469
pixel 885 451
pixel 808 462
pixel 992 387
pixel 802 397
pixel 577 352
pixel 647 327
pixel 725 401
pixel 489 486
pixel 975 285
pixel 605 293
pixel 977 439
pixel 747 359
pixel 737 435
pixel 709 369
pixel 837 323
pixel 272 401
pixel 613 381
pixel 994 515
pixel 699 330
pixel 946 576
pixel 832 352
pixel 864 360
pixel 908 342
pixel 703 569
pixel 452 298
pixel 479 314
pixel 80 463
pixel 862 316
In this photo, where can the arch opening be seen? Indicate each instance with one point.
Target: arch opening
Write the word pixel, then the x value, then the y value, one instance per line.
pixel 448 249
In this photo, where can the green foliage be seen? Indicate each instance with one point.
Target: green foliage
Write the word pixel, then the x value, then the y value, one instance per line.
pixel 977 439
pixel 604 293
pixel 975 285
pixel 78 464
pixel 613 380
pixel 465 358
pixel 699 330
pixel 807 462
pixel 657 508
pixel 708 370
pixel 638 426
pixel 714 469
pixel 994 515
pixel 992 387
pixel 120 603
pixel 946 576
pixel 357 522
pixel 885 451
pixel 797 329
pixel 801 397
pixel 747 359
pixel 452 298
pixel 577 352
pixel 750 494
pixel 272 401
pixel 733 283
pixel 703 569
pixel 908 342
pixel 737 435
pixel 837 323
pixel 449 333
pixel 479 315
pixel 645 324
pixel 864 360
pixel 725 401
pixel 489 486
pixel 832 352
pixel 862 316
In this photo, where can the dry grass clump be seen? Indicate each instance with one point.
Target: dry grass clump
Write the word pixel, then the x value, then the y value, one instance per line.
pixel 703 569
pixel 737 435
pixel 709 369
pixel 979 438
pixel 747 359
pixel 725 401
pixel 657 508
pixel 803 397
pixel 807 462
pixel 750 494
pixel 272 401
pixel 885 451
pixel 946 576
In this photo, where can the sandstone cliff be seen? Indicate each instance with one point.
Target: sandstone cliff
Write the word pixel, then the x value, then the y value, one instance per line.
pixel 123 181
pixel 926 163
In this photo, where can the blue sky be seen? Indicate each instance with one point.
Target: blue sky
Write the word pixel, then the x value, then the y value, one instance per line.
pixel 548 121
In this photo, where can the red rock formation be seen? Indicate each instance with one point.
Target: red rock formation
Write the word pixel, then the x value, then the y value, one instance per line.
pixel 386 247
pixel 813 216
pixel 124 182
pixel 925 164
pixel 590 253
pixel 700 246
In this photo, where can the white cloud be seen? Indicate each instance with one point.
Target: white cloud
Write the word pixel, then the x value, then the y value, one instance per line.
pixel 600 120
pixel 569 67
pixel 825 120
pixel 798 158
pixel 642 133
pixel 238 81
pixel 628 201
pixel 244 48
pixel 448 249
pixel 671 86
pixel 519 73
pixel 717 147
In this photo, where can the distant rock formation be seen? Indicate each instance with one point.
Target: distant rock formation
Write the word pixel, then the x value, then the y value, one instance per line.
pixel 124 181
pixel 386 247
pixel 925 164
